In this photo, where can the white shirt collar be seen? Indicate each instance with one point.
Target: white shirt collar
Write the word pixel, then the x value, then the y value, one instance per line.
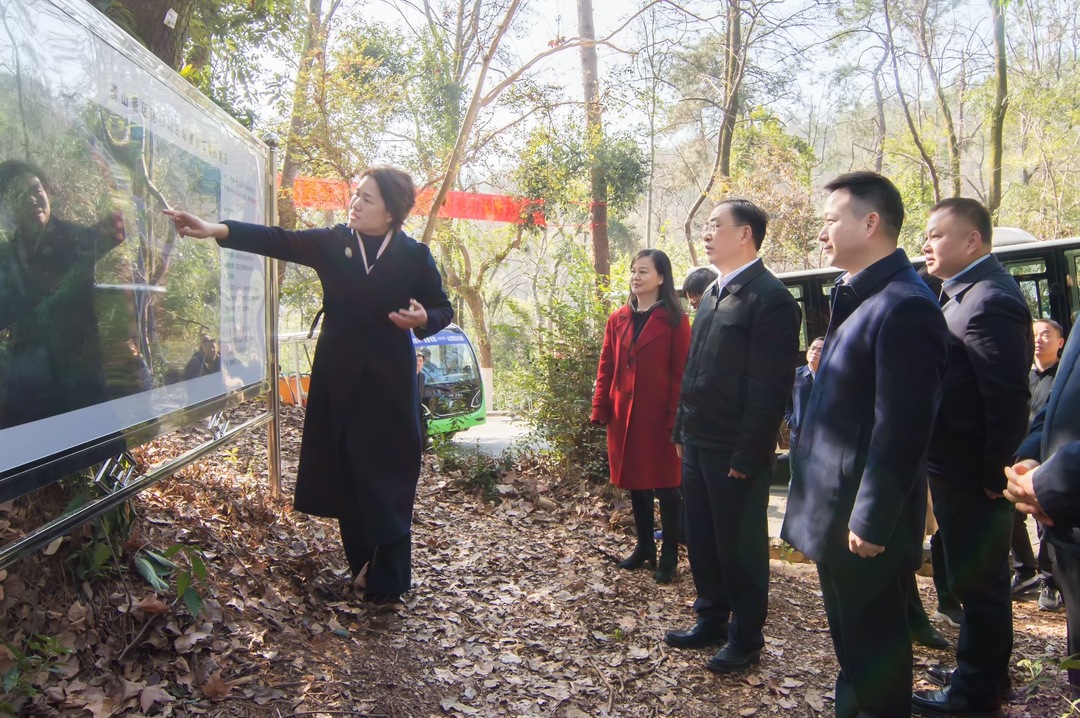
pixel 725 279
pixel 959 276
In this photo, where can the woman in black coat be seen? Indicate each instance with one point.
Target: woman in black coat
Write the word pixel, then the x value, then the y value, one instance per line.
pixel 360 454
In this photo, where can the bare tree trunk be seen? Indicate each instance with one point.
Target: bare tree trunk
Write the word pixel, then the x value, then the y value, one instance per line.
pixel 453 163
pixel 953 143
pixel 594 138
pixel 915 136
pixel 734 70
pixel 879 104
pixel 313 47
pixel 1001 106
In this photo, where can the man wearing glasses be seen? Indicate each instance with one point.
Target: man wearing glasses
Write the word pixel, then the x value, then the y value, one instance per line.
pixel 743 350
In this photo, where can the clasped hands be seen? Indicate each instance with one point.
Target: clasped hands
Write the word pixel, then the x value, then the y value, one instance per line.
pixel 1021 492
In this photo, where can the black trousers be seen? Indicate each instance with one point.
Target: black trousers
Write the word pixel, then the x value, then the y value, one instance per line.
pixel 975 536
pixel 866 603
pixel 1067 572
pixel 1024 561
pixel 727 539
pixel 916 614
pixel 390 569
pixel 945 597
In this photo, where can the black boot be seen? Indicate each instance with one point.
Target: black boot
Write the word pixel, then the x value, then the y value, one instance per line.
pixel 670 518
pixel 645 552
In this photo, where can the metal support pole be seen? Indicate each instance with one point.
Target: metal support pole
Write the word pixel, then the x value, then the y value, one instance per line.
pixel 273 442
pixel 44 535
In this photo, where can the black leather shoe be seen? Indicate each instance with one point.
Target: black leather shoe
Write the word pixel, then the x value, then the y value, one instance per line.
pixel 928 636
pixel 731 660
pixel 946 703
pixel 702 635
pixel 938 675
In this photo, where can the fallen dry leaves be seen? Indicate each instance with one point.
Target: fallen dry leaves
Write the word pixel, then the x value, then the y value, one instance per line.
pixel 517 610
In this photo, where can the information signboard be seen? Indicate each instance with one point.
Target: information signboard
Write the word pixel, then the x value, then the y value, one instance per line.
pixel 112 327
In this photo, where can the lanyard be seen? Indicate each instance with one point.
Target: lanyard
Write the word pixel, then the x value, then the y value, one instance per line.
pixel 363 252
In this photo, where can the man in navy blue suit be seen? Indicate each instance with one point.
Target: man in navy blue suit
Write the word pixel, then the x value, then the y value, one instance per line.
pixel 1046 484
pixel 857 502
pixel 800 395
pixel 981 421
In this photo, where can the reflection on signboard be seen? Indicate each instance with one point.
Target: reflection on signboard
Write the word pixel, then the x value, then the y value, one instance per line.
pixel 109 319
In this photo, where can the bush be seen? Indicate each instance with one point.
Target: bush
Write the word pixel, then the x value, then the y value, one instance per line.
pixel 559 384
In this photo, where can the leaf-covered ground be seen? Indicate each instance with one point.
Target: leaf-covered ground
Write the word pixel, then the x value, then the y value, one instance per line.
pixel 518 610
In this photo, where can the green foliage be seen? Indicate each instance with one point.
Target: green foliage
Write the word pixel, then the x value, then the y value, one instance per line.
pixel 226 43
pixel 560 380
pixel 40 654
pixel 102 549
pixel 555 168
pixel 473 468
pixel 157 568
pixel 773 168
pixel 1042 672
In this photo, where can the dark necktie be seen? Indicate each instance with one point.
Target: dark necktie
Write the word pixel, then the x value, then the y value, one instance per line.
pixel 943 298
pixel 719 294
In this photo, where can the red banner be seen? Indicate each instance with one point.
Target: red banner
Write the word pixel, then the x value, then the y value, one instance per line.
pixel 328 194
pixel 477 205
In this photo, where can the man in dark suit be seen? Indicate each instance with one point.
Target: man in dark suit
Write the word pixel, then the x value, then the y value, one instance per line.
pixel 857 502
pixel 738 378
pixel 1029 573
pixel 800 394
pixel 1045 484
pixel 981 421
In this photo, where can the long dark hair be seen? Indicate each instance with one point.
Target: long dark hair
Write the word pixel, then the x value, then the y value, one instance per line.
pixel 667 287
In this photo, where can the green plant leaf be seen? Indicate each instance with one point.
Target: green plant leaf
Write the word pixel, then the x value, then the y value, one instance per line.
pixel 198 567
pixel 193 601
pixel 148 571
pixel 162 561
pixel 183 580
pixel 165 556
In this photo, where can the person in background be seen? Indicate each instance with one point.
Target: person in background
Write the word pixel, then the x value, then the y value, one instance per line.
pixel 981 421
pixel 948 606
pixel 637 390
pixel 800 395
pixel 205 360
pixel 738 378
pixel 696 283
pixel 51 358
pixel 360 452
pixel 1029 575
pixel 431 370
pixel 857 501
pixel 1043 483
pixel 421 384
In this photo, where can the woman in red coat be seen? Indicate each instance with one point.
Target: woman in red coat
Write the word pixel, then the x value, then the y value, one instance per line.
pixel 637 392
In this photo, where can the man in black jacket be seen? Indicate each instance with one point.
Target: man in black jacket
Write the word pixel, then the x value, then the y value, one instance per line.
pixel 1046 484
pixel 982 419
pixel 857 502
pixel 738 377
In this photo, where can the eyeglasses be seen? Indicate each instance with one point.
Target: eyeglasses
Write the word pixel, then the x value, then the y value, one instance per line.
pixel 710 226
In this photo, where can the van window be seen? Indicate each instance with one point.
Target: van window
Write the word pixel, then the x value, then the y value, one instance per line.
pixel 1072 278
pixel 797 292
pixel 1034 283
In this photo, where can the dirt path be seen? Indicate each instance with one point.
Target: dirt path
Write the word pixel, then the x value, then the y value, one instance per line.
pixel 517 611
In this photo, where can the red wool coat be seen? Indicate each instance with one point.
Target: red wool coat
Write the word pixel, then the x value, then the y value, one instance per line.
pixel 637 392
